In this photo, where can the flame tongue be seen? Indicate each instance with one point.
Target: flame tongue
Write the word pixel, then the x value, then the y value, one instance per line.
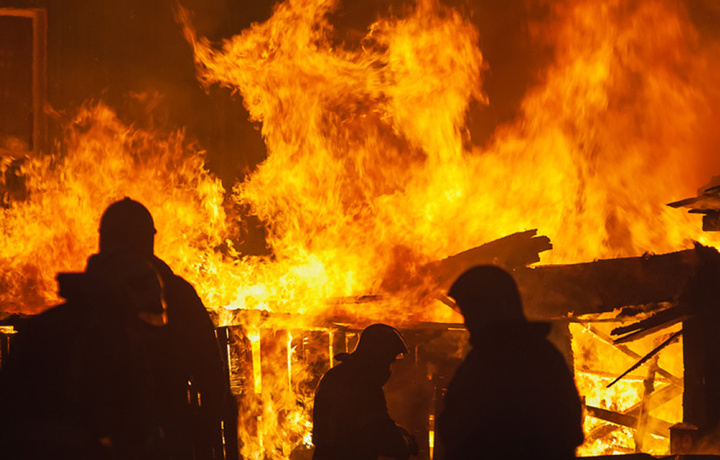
pixel 55 228
pixel 370 174
pixel 353 134
pixel 366 154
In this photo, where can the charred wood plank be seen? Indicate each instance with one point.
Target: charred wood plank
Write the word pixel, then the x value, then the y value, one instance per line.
pixel 639 334
pixel 513 251
pixel 555 291
pixel 647 357
pixel 655 323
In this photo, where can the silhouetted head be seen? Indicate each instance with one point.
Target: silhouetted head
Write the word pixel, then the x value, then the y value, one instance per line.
pixel 487 295
pixel 381 343
pixel 127 225
pixel 379 346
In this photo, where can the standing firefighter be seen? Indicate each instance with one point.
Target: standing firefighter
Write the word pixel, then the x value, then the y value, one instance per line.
pixel 350 418
pixel 127 368
pixel 81 382
pixel 195 390
pixel 513 397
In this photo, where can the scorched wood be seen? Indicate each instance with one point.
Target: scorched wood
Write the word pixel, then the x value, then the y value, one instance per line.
pixel 556 291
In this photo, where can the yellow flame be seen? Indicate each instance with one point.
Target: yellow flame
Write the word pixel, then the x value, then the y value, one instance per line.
pixel 370 174
pixel 597 363
pixel 254 337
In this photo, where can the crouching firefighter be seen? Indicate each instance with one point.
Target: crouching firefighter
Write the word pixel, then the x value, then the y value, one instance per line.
pixel 350 416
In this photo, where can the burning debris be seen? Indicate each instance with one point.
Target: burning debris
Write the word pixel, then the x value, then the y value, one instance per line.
pixel 375 196
pixel 706 203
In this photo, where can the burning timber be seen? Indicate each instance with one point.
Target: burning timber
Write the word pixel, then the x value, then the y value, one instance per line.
pixel 706 203
pixel 646 295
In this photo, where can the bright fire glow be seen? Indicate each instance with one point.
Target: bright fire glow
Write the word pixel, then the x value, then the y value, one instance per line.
pixel 597 363
pixel 369 174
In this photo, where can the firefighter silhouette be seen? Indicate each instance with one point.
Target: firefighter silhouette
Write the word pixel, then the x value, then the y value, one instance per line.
pixel 128 367
pixel 194 365
pixel 513 397
pixel 350 416
pixel 82 379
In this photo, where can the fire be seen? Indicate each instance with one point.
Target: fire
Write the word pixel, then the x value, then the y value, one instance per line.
pixel 55 228
pixel 597 363
pixel 371 174
pixel 350 139
pixel 590 163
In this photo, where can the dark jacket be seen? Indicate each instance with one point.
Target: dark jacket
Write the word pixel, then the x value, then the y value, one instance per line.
pixel 79 383
pixel 193 430
pixel 512 398
pixel 350 416
pixel 82 384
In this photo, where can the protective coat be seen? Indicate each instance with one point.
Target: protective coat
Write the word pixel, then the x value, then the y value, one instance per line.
pixel 512 398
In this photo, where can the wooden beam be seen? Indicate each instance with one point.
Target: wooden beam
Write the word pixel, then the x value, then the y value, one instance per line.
pixel 513 251
pixel 655 426
pixel 555 291
pixel 623 348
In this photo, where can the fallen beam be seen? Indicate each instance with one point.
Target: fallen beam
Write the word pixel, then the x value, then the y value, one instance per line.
pixel 556 291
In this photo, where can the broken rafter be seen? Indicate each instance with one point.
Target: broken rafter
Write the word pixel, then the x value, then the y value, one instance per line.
pixel 623 348
pixel 555 291
pixel 659 321
pixel 516 250
pixel 513 251
pixel 647 357
pixel 709 200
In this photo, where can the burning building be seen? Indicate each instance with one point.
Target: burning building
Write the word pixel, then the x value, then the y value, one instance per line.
pixel 316 166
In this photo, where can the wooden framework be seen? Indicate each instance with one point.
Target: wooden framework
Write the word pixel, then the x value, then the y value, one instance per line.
pixel 38 18
pixel 681 286
pixel 686 281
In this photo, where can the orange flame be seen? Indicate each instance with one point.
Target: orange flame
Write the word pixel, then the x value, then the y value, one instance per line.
pixel 366 146
pixel 371 174
pixel 55 228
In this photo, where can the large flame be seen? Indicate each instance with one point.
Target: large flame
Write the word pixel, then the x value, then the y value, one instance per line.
pixel 366 146
pixel 371 172
pixel 54 228
pixel 352 137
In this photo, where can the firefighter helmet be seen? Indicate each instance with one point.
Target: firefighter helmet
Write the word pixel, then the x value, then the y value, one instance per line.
pixel 381 341
pixel 127 224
